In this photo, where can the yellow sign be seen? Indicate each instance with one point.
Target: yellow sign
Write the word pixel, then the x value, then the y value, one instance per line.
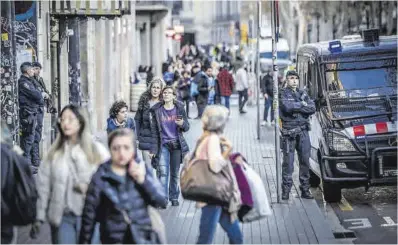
pixel 244 32
pixel 4 36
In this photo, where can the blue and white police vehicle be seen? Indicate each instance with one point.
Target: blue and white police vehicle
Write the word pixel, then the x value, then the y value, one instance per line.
pixel 353 82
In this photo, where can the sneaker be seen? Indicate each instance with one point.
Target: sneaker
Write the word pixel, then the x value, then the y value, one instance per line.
pixel 175 203
pixel 273 123
pixel 263 123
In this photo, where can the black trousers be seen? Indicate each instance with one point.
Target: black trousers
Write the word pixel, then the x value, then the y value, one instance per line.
pixel 243 97
pixel 201 102
pixel 35 153
pixel 302 144
pixel 187 106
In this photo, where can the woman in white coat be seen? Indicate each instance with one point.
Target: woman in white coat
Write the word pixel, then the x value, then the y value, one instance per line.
pixel 64 176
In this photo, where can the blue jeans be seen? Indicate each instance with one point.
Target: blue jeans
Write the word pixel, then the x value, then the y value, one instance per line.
pixel 69 230
pixel 267 106
pixel 225 101
pixel 211 215
pixel 169 172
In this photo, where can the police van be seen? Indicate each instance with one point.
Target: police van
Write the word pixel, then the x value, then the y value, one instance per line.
pixel 354 130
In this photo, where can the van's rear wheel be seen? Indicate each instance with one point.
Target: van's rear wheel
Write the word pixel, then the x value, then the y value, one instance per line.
pixel 314 179
pixel 331 192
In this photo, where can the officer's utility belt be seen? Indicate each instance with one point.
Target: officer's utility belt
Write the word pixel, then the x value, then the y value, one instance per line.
pixel 28 115
pixel 28 110
pixel 292 133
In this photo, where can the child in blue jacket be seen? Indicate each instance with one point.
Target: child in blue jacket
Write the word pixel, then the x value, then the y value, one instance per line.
pixel 119 117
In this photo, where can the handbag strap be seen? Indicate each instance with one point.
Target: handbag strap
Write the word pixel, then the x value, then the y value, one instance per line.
pixel 73 170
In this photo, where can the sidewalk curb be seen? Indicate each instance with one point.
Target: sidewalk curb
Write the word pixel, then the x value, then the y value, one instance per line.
pixel 339 233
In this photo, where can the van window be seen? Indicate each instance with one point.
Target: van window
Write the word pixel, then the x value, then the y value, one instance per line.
pixel 361 79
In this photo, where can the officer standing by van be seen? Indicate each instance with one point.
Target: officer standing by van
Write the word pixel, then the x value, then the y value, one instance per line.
pixel 31 99
pixel 39 116
pixel 295 110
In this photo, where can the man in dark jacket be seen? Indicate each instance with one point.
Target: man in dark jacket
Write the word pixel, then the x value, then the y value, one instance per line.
pixel 295 109
pixel 31 99
pixel 267 90
pixel 203 88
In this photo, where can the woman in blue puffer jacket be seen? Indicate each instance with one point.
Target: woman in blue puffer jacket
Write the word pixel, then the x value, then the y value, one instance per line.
pixel 119 196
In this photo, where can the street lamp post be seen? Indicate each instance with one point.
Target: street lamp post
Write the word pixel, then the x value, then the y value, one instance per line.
pixel 258 69
pixel 275 33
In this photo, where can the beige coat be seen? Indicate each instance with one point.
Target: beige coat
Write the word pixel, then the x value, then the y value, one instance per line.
pixel 217 162
pixel 55 182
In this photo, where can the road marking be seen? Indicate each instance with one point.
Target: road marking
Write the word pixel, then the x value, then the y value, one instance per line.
pixel 345 205
pixel 359 223
pixel 389 222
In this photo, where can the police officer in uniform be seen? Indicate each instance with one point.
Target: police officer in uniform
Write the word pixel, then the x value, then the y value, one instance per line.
pixel 39 116
pixel 295 110
pixel 30 100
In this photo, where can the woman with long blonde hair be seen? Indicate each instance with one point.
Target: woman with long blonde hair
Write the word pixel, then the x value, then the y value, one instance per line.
pixel 64 176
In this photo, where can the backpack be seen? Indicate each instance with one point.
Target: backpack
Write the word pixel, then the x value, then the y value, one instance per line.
pixel 22 204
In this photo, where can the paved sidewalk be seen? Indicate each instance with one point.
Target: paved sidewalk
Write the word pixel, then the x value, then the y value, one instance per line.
pixel 293 222
pixel 296 221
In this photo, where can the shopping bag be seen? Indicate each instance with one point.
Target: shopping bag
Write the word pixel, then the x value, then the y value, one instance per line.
pixel 244 188
pixel 261 207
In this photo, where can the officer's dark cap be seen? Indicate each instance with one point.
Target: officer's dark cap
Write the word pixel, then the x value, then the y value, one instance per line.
pixel 292 73
pixel 36 64
pixel 24 66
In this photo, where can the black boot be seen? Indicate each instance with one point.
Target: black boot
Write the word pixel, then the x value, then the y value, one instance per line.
pixel 306 194
pixel 285 194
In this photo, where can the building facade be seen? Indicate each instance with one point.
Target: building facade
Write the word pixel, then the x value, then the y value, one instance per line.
pixel 89 51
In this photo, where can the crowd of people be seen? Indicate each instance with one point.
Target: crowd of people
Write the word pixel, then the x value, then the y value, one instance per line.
pixel 207 82
pixel 90 193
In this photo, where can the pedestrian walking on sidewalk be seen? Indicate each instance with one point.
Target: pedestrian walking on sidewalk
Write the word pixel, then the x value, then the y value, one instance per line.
pixel 242 86
pixel 267 90
pixel 295 109
pixel 226 85
pixel 118 117
pixel 204 89
pixel 64 176
pixel 18 205
pixel 142 117
pixel 169 122
pixel 184 90
pixel 196 75
pixel 216 148
pixel 119 195
pixel 168 76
